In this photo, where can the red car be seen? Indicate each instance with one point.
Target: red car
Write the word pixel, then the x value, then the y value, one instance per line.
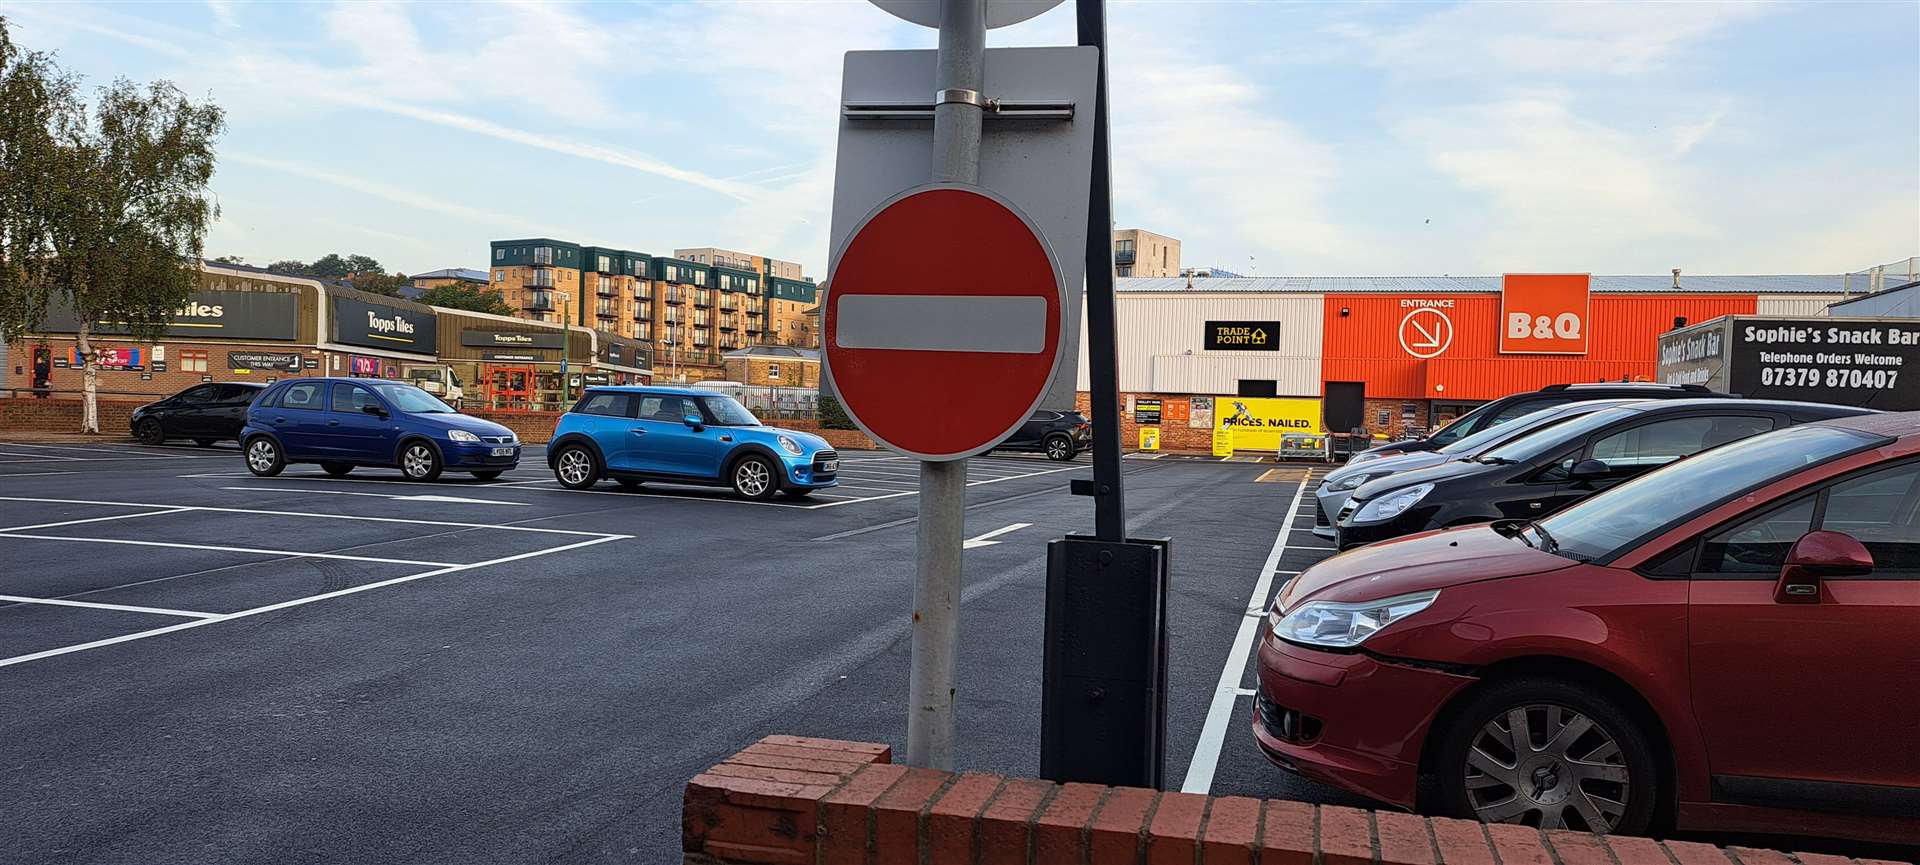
pixel 1729 643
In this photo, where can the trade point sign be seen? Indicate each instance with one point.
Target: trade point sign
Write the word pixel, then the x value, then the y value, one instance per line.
pixel 930 356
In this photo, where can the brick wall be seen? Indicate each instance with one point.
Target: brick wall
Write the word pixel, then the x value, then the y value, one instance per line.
pixel 799 801
pixel 844 439
pixel 1175 435
pixel 19 370
pixel 26 414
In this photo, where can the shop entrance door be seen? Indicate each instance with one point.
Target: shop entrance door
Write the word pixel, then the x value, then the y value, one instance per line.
pixel 510 388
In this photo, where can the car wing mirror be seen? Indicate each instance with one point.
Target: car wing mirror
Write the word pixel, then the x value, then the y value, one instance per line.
pixel 693 421
pixel 1590 470
pixel 1815 556
pixel 374 410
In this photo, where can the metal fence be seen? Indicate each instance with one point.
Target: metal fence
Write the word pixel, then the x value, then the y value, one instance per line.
pixel 770 402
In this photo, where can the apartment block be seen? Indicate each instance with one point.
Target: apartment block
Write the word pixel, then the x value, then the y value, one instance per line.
pixel 1138 252
pixel 691 312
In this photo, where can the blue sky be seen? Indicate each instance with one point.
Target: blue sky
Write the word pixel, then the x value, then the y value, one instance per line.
pixel 1269 137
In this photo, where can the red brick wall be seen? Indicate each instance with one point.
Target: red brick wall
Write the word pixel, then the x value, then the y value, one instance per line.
pixel 1175 435
pixel 129 383
pixel 799 801
pixel 26 414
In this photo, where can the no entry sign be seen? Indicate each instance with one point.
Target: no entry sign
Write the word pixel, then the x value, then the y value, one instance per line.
pixel 932 354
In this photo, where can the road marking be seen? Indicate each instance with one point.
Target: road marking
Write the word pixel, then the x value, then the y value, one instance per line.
pixel 158 611
pixel 37 456
pixel 141 635
pixel 31 474
pixel 314 516
pixel 451 500
pixel 983 540
pixel 95 520
pixel 1206 752
pixel 251 551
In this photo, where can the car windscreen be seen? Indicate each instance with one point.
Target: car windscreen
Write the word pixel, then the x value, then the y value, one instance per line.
pixel 727 411
pixel 1527 448
pixel 1604 525
pixel 1454 429
pixel 1511 429
pixel 412 400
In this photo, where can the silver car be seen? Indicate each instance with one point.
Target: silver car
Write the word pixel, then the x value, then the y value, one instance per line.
pixel 1339 484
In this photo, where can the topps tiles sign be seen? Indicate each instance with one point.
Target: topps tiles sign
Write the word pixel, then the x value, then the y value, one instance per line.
pixel 1865 362
pixel 380 325
pixel 208 314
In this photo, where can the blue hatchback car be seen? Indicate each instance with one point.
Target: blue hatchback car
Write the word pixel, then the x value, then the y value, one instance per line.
pixel 635 434
pixel 342 423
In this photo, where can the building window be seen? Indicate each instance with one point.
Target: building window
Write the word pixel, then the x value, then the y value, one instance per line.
pixel 773 371
pixel 193 361
pixel 1125 271
pixel 500 255
pixel 1383 418
pixel 1123 246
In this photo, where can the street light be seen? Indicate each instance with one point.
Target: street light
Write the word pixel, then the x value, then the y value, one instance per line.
pixel 565 344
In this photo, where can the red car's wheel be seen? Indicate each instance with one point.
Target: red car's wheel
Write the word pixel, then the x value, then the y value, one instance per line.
pixel 1547 754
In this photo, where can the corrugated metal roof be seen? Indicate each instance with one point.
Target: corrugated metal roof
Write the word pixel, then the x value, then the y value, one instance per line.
pixel 1655 284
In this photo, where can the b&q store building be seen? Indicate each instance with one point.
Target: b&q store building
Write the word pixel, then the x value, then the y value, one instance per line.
pixel 245 324
pixel 1265 356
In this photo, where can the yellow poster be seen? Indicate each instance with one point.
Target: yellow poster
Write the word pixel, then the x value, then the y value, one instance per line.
pixel 1223 441
pixel 1258 423
pixel 1149 438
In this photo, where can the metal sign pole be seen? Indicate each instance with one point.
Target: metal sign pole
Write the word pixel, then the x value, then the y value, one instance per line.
pixel 1109 500
pixel 957 115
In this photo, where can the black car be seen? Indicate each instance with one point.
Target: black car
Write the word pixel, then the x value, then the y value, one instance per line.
pixel 1535 475
pixel 206 413
pixel 1059 434
pixel 1515 405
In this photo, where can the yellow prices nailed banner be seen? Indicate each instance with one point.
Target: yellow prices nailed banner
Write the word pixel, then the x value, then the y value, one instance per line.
pixel 1256 424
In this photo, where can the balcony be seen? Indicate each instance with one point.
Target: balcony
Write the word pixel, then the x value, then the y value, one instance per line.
pixel 538 301
pixel 1123 256
pixel 728 322
pixel 753 327
pixel 643 295
pixel 640 315
pixel 606 289
pixel 675 298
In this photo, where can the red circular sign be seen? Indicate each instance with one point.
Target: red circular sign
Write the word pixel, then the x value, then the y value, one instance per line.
pixel 942 323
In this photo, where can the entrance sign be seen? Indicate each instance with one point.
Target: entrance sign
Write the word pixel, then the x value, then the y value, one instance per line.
pixel 1544 313
pixel 1034 165
pixel 909 337
pixel 1426 332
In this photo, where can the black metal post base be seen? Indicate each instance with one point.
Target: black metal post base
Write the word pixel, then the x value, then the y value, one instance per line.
pixel 1103 707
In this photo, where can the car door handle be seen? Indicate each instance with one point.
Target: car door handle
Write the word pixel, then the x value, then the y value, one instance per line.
pixel 333 423
pixel 638 432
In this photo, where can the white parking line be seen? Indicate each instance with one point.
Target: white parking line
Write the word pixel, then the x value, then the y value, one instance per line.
pixel 1206 752
pixel 449 569
pixel 445 500
pixel 314 516
pixel 158 611
pixel 95 520
pixel 32 474
pixel 35 456
pixel 250 551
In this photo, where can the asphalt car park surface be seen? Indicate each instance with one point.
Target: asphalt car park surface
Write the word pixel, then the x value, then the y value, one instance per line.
pixel 199 664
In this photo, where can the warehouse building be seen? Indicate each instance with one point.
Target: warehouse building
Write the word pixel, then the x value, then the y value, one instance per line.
pixel 1397 355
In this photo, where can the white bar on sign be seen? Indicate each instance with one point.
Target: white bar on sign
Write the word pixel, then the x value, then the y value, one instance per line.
pixel 942 322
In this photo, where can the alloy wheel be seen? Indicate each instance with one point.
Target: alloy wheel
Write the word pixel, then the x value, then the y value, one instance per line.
pixel 150 432
pixel 417 461
pixel 1547 766
pixel 574 467
pixel 260 455
pixel 752 477
pixel 1058 449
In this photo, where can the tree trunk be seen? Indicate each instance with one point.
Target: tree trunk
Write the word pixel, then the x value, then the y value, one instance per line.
pixel 90 376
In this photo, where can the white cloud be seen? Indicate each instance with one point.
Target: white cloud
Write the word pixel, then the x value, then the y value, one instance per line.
pixel 1687 136
pixel 387 192
pixel 1508 43
pixel 225 15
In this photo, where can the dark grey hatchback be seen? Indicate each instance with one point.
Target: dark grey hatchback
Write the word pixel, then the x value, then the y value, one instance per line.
pixel 206 413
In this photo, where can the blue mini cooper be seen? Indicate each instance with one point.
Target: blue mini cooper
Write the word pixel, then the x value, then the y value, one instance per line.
pixel 636 434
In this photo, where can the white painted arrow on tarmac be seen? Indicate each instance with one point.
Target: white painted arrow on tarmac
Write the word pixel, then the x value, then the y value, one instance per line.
pixel 452 500
pixel 982 540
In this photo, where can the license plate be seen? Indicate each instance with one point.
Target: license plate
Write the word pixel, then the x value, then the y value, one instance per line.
pixel 503 452
pixel 830 466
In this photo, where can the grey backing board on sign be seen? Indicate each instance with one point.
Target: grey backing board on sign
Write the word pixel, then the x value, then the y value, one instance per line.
pixel 1042 167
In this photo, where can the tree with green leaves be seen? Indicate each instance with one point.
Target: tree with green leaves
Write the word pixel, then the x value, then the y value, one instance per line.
pixel 230 259
pixel 106 209
pixel 289 267
pixel 472 298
